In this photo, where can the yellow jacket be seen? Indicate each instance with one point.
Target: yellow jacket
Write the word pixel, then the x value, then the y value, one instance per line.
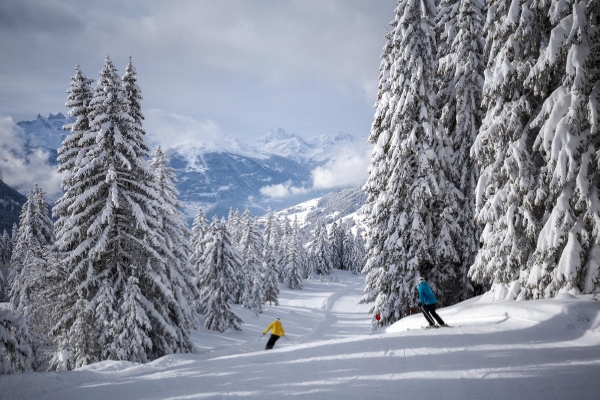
pixel 277 328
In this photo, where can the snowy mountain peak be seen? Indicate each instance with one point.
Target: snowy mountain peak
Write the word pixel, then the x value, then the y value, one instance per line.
pixel 276 134
pixel 45 132
pixel 328 140
pixel 55 116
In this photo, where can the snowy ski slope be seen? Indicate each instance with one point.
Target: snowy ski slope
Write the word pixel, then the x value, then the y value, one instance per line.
pixel 544 349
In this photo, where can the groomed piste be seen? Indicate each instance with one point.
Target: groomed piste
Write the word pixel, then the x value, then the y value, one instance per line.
pixel 539 349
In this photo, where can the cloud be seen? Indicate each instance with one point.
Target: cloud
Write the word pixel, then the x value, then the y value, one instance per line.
pixel 170 129
pixel 306 65
pixel 22 171
pixel 348 168
pixel 281 191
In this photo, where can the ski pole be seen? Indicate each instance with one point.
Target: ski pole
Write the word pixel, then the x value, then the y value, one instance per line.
pixel 288 339
pixel 260 337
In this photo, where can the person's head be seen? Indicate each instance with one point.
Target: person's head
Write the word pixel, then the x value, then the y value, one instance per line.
pixel 421 280
pixel 277 319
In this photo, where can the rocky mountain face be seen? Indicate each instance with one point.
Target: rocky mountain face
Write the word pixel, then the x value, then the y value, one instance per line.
pixel 45 133
pixel 232 174
pixel 11 203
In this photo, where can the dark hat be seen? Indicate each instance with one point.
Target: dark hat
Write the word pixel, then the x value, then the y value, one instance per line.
pixel 278 319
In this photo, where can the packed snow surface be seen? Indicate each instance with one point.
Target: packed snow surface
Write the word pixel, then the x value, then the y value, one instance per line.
pixel 541 349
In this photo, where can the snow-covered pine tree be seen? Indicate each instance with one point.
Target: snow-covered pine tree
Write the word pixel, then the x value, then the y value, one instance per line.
pixel 5 248
pixel 348 246
pixel 221 263
pixel 16 354
pixel 270 282
pixel 234 227
pixel 28 261
pixel 199 230
pixel 5 254
pixel 292 273
pixel 335 237
pixel 110 226
pixel 132 342
pixel 359 252
pixel 28 274
pixel 251 249
pixel 69 153
pixel 167 281
pixel 320 250
pixel 176 248
pixel 234 221
pixel 409 198
pixel 567 76
pixel 285 232
pixel 505 189
pixel 257 295
pixel 460 82
pixel 278 244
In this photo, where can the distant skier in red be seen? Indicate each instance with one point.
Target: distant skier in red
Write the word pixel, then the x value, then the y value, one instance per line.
pixel 428 303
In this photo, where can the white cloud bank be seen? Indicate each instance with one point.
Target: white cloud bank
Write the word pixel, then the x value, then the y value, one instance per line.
pixel 282 190
pixel 348 168
pixel 21 172
pixel 170 129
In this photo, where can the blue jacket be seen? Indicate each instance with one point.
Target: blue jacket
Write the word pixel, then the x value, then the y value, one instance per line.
pixel 426 295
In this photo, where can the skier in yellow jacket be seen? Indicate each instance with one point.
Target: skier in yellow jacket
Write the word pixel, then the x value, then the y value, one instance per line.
pixel 276 334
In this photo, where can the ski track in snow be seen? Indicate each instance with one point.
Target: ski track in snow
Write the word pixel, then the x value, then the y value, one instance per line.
pixel 540 349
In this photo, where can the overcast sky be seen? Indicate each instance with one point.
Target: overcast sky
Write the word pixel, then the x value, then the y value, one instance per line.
pixel 234 67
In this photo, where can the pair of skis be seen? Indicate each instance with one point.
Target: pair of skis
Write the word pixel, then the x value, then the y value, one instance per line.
pixel 435 326
pixel 430 327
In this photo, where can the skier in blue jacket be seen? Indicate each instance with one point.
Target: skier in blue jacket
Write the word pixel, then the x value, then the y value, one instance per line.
pixel 428 303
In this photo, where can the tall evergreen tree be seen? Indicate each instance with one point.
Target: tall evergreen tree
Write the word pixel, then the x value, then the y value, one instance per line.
pixel 234 225
pixel 460 82
pixel 410 209
pixel 270 283
pixel 505 190
pixel 175 250
pixel 567 76
pixel 199 230
pixel 28 261
pixel 285 231
pixel 335 237
pixel 222 261
pixel 5 248
pixel 69 153
pixel 257 295
pixel 108 223
pixel 293 266
pixel 320 250
pixel 251 248
pixel 359 253
pixel 16 354
pixel 198 240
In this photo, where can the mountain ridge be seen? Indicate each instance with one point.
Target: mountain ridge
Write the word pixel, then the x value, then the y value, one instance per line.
pixel 230 174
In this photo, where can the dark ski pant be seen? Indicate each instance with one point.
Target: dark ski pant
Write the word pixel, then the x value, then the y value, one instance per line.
pixel 430 314
pixel 271 342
